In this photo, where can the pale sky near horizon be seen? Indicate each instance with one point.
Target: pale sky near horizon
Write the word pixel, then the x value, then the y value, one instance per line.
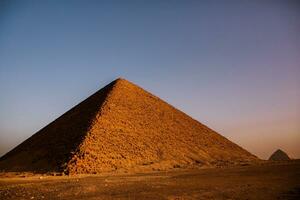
pixel 233 66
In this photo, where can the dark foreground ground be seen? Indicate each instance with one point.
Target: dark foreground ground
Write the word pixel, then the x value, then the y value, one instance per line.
pixel 267 181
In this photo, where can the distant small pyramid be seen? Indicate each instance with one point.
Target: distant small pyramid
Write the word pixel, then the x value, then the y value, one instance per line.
pixel 122 127
pixel 279 155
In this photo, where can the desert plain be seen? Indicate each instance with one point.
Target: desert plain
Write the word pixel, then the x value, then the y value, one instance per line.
pixel 265 180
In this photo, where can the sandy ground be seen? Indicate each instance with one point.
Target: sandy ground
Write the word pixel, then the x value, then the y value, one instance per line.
pixel 266 181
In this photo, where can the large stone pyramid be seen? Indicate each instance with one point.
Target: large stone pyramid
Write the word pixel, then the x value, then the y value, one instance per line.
pixel 122 127
pixel 279 155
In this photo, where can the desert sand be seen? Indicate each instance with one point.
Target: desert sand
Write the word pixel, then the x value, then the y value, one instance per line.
pixel 270 180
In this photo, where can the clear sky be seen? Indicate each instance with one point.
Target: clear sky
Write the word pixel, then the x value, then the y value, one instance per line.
pixel 234 66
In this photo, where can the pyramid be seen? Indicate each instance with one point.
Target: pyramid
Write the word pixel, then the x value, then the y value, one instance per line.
pixel 122 127
pixel 279 155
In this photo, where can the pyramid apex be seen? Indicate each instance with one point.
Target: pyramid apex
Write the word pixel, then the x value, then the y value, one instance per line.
pixel 120 79
pixel 278 150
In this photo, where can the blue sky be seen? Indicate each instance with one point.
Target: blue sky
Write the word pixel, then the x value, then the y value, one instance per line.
pixel 234 66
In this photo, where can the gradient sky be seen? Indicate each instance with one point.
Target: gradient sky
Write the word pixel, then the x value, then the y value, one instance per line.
pixel 234 66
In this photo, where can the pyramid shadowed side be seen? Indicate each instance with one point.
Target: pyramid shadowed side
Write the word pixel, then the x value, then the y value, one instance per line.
pixel 52 146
